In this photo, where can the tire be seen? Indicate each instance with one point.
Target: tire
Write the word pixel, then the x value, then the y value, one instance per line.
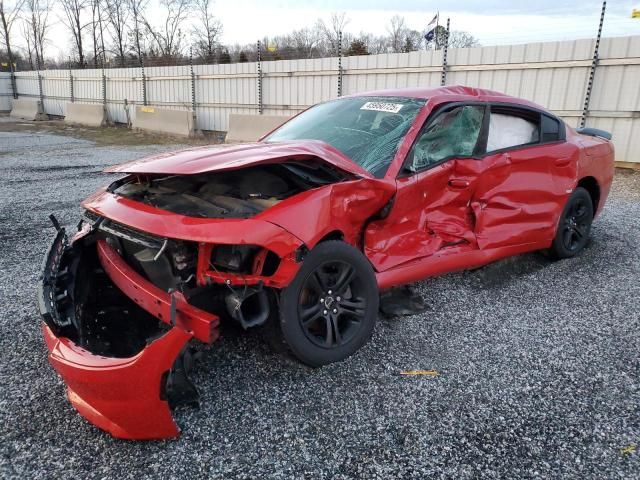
pixel 574 226
pixel 330 308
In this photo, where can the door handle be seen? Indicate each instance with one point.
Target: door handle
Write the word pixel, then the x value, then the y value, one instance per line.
pixel 458 183
pixel 561 162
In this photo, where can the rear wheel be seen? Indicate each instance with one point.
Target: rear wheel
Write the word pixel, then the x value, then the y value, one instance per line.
pixel 329 310
pixel 574 227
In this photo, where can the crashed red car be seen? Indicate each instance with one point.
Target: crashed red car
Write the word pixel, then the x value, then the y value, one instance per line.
pixel 305 228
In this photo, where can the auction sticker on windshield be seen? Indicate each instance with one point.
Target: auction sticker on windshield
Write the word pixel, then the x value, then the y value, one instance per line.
pixel 382 107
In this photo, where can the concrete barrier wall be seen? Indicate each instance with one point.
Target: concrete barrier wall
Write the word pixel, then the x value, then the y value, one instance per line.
pixel 173 122
pixel 92 115
pixel 5 92
pixel 249 128
pixel 27 109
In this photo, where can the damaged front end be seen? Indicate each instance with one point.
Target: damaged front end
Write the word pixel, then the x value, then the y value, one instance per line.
pixel 119 342
pixel 164 254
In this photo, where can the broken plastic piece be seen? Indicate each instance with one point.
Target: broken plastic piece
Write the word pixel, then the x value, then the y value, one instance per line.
pixel 55 222
pixel 404 300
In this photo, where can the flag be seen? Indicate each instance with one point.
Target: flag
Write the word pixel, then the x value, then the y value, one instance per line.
pixel 430 32
pixel 635 13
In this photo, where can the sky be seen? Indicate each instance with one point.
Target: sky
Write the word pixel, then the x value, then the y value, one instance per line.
pixel 492 22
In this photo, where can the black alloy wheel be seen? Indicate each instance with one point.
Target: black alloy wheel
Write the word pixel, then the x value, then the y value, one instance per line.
pixel 331 305
pixel 574 227
pixel 329 310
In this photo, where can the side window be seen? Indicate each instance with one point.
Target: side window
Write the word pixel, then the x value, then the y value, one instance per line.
pixel 453 133
pixel 550 129
pixel 511 127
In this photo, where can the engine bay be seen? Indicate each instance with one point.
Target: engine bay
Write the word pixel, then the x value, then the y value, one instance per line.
pixel 239 193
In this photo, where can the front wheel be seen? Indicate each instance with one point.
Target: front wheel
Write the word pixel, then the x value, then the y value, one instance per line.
pixel 329 310
pixel 574 226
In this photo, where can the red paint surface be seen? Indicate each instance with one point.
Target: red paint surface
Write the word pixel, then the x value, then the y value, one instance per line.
pixel 216 158
pixel 119 395
pixel 463 213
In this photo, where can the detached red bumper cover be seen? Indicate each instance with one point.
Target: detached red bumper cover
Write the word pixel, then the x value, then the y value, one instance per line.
pixel 128 396
pixel 121 396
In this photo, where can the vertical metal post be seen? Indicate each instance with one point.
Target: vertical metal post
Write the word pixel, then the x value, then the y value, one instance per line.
pixel 71 95
pixel 14 84
pixel 12 78
pixel 592 72
pixel 104 90
pixel 40 93
pixel 443 77
pixel 259 78
pixel 193 90
pixel 339 63
pixel 144 83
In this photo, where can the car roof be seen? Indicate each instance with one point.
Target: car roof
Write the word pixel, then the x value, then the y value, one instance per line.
pixel 455 93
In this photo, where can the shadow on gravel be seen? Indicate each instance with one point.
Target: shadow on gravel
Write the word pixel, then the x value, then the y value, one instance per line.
pixel 57 168
pixel 496 275
pixel 75 175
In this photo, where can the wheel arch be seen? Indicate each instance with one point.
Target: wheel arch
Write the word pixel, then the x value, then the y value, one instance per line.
pixel 590 184
pixel 332 235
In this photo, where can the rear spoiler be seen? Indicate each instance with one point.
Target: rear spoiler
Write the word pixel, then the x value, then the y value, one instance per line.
pixel 594 132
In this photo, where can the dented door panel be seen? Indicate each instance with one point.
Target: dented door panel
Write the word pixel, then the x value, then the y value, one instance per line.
pixel 517 199
pixel 431 211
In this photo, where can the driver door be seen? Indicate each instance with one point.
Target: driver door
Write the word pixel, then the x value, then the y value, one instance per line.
pixel 432 209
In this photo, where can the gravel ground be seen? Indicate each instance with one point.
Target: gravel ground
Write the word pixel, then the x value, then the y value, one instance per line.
pixel 538 364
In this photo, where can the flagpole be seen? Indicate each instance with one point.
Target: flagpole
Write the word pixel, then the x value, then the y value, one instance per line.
pixel 436 35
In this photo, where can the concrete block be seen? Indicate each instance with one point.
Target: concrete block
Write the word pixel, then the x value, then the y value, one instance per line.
pixel 173 122
pixel 89 114
pixel 249 128
pixel 27 109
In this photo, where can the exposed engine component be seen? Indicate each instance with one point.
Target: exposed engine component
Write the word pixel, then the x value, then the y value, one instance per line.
pixel 171 264
pixel 168 263
pixel 249 306
pixel 234 258
pixel 228 194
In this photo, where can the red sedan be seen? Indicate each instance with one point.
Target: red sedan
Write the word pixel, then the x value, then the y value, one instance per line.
pixel 301 231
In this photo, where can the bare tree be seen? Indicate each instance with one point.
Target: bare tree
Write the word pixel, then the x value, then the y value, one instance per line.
pixel 460 39
pixel 397 30
pixel 118 13
pixel 28 38
pixel 8 14
pixel 207 29
pixel 38 26
pixel 375 44
pixel 331 31
pixel 306 42
pixel 137 8
pixel 401 38
pixel 74 13
pixel 168 36
pixel 97 31
pixel 412 40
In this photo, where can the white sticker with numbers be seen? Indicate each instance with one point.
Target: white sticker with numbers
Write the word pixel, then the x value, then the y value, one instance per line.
pixel 382 107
